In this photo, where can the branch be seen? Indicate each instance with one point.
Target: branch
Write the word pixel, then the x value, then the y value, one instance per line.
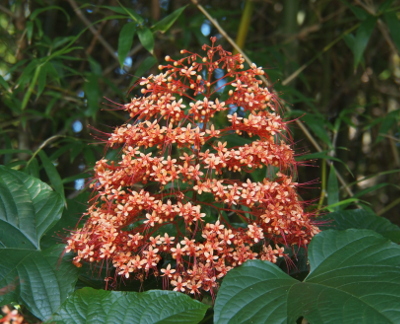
pixel 92 29
pixel 7 11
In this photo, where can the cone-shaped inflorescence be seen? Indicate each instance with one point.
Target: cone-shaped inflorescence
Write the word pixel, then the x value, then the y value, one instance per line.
pixel 189 197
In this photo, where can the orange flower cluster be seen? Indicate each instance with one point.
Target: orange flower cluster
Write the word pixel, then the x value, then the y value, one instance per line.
pixel 181 203
pixel 11 316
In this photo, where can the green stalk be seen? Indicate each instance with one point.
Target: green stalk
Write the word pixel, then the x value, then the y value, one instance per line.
pixel 323 186
pixel 244 24
pixel 31 86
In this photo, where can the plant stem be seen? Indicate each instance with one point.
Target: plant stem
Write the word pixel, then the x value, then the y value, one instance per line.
pixel 244 24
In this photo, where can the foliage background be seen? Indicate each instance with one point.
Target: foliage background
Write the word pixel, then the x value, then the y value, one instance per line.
pixel 335 64
pixel 348 97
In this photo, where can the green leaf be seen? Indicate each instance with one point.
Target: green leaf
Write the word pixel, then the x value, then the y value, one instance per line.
pixel 36 12
pixel 146 38
pixel 95 67
pixel 52 173
pixel 125 41
pixel 316 124
pixel 15 151
pixel 42 80
pixel 388 122
pixel 361 219
pixel 29 30
pixel 164 24
pixel 393 24
pixel 360 13
pixel 125 11
pixel 68 222
pixel 28 208
pixel 333 188
pixel 88 305
pixel 32 84
pixel 363 35
pixel 370 189
pixel 318 155
pixel 3 83
pixel 384 6
pixel 39 279
pixel 355 274
pixel 342 203
pixel 92 92
pixel 146 65
pixel 32 168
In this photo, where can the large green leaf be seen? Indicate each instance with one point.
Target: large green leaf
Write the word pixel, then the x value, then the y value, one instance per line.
pixel 89 305
pixel 361 219
pixel 39 279
pixel 354 278
pixel 28 208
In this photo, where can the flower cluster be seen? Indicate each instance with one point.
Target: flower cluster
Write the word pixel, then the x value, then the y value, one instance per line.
pixel 11 316
pixel 185 200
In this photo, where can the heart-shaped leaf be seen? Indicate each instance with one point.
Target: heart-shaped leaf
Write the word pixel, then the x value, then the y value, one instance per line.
pixel 28 208
pixel 362 219
pixel 39 279
pixel 355 275
pixel 88 305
